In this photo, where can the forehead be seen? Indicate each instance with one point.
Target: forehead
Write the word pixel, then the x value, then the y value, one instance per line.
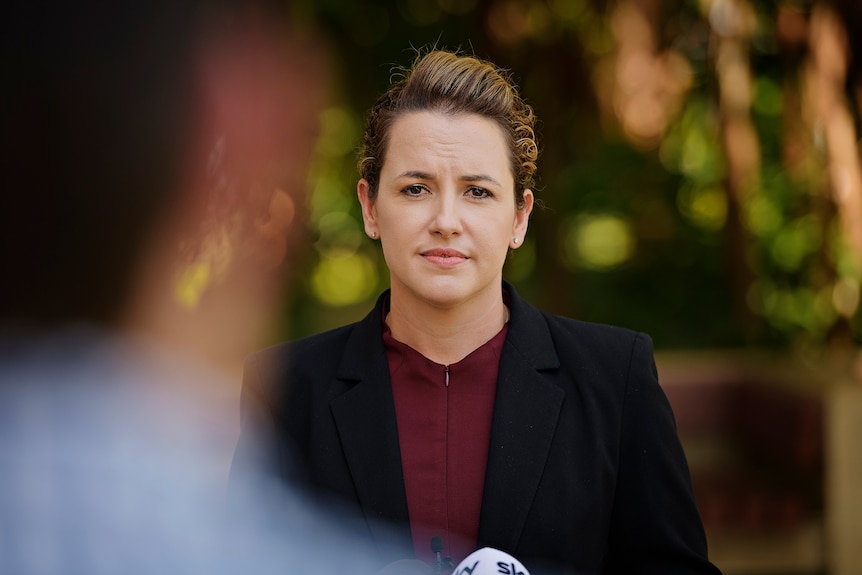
pixel 460 142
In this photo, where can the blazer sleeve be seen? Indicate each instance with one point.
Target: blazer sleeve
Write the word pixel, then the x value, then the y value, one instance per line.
pixel 655 526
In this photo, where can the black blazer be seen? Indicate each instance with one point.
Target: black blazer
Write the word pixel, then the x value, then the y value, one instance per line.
pixel 585 469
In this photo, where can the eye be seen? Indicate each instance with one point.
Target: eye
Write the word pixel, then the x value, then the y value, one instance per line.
pixel 414 190
pixel 479 193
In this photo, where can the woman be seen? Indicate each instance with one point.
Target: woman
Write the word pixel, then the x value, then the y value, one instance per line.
pixel 456 409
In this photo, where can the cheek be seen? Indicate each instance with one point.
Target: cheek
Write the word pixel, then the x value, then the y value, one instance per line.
pixel 495 240
pixel 502 226
pixel 399 233
pixel 403 222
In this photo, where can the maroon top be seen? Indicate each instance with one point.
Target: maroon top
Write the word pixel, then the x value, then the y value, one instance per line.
pixel 444 428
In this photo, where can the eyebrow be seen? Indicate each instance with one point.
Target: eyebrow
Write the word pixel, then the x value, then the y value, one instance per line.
pixel 468 178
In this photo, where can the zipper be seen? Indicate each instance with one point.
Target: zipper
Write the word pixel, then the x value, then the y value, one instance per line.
pixel 447 375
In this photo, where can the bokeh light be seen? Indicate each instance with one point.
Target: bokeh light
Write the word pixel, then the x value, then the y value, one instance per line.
pixel 704 207
pixel 597 241
pixel 795 241
pixel 343 278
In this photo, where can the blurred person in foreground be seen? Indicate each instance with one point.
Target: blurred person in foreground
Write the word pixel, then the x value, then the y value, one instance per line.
pixel 455 409
pixel 153 158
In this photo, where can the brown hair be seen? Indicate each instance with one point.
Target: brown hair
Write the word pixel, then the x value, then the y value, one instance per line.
pixel 450 83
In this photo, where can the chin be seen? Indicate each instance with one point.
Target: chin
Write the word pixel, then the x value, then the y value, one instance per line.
pixel 448 293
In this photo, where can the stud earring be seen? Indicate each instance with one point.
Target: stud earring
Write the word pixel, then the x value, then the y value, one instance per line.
pixel 516 240
pixel 373 235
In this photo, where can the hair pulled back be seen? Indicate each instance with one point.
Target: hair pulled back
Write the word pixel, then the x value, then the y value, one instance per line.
pixel 449 83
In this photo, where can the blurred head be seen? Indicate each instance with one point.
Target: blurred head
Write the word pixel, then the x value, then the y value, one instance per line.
pixel 220 261
pixel 451 84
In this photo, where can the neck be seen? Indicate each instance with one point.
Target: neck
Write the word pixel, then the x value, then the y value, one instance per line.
pixel 446 335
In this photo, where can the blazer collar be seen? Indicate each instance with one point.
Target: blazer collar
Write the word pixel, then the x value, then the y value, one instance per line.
pixel 525 416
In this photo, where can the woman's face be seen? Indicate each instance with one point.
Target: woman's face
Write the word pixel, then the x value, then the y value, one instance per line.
pixel 445 209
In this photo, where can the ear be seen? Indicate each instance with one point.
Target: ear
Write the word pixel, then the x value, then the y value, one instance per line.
pixel 522 220
pixel 369 213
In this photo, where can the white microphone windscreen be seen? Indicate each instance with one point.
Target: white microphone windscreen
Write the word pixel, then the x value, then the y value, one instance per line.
pixel 490 561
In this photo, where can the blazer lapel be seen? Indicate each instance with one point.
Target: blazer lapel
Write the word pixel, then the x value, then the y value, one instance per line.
pixel 365 418
pixel 525 418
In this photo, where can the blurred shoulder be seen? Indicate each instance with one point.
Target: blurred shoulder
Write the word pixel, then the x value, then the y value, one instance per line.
pixel 313 348
pixel 323 352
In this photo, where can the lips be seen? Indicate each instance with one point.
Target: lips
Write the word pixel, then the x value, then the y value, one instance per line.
pixel 444 257
pixel 443 253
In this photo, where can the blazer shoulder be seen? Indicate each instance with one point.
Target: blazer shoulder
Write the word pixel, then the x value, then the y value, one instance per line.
pixel 550 341
pixel 601 352
pixel 597 337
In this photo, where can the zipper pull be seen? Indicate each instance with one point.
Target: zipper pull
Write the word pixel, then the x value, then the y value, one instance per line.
pixel 447 376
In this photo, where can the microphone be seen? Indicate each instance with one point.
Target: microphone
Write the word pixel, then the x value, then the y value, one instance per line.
pixel 490 561
pixel 440 561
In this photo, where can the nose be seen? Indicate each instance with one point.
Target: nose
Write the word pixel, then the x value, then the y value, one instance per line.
pixel 446 221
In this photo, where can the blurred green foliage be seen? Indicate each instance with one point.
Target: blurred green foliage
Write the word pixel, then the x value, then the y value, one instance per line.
pixel 641 231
